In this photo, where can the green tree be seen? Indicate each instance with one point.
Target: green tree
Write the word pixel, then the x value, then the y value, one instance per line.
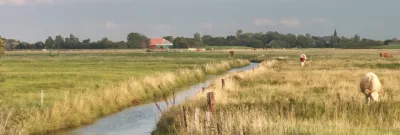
pixel 2 47
pixel 169 38
pixel 182 42
pixel 239 32
pixel 137 40
pixel 197 36
pixel 59 41
pixel 356 38
pixel 86 41
pixel 207 39
pixel 49 43
pixel 310 41
pixel 290 39
pixel 302 41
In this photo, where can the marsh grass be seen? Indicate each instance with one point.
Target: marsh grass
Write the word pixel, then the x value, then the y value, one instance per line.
pixel 80 87
pixel 280 97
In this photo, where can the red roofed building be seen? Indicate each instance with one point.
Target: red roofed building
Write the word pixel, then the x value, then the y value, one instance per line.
pixel 159 43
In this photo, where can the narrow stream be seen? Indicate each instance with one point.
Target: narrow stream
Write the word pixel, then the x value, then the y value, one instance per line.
pixel 139 120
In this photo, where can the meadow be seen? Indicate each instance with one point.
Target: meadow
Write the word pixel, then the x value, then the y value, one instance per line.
pixel 82 85
pixel 393 46
pixel 280 97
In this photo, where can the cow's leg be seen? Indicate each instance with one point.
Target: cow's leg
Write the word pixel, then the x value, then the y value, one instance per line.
pixel 367 99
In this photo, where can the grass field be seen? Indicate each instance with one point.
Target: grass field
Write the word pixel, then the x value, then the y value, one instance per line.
pixel 396 46
pixel 229 47
pixel 280 97
pixel 80 86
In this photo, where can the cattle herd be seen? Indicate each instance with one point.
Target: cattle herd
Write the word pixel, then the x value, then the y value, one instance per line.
pixel 370 85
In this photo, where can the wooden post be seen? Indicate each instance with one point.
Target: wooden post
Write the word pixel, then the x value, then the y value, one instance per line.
pixel 211 101
pixel 196 120
pixel 173 100
pixel 41 97
pixel 223 83
pixel 185 117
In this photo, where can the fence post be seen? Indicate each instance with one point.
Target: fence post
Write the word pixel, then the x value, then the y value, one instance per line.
pixel 223 83
pixel 185 118
pixel 211 101
pixel 41 97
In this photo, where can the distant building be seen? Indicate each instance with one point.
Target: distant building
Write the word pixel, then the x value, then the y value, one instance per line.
pixel 159 43
pixel 394 41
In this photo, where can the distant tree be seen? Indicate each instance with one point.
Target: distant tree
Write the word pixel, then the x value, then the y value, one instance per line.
pixel 182 42
pixel 356 38
pixel 277 44
pixel 302 41
pixel 137 40
pixel 310 41
pixel 387 41
pixel 197 36
pixel 86 41
pixel 258 35
pixel 49 43
pixel 230 37
pixel 207 39
pixel 239 32
pixel 39 45
pixel 2 48
pixel 59 41
pixel 290 39
pixel 169 38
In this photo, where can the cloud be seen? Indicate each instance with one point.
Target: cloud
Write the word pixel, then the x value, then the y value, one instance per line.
pixel 22 2
pixel 263 21
pixel 290 22
pixel 319 20
pixel 110 25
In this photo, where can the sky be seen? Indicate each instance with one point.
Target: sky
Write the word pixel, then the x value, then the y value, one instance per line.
pixel 35 20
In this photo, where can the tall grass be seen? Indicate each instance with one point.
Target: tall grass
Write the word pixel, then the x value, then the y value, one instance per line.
pixel 77 109
pixel 280 97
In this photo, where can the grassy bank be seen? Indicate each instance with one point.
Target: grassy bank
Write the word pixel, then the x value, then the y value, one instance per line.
pixel 80 87
pixel 280 97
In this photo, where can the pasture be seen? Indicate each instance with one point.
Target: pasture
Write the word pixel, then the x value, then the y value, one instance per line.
pixel 82 85
pixel 393 46
pixel 281 97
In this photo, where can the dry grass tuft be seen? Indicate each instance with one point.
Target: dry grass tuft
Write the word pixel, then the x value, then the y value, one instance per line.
pixel 280 97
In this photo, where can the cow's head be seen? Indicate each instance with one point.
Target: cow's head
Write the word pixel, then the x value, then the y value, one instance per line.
pixel 374 97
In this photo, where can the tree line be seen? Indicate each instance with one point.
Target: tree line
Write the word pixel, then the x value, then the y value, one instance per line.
pixel 270 39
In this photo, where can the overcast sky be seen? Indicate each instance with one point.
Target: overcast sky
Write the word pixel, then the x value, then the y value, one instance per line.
pixel 34 20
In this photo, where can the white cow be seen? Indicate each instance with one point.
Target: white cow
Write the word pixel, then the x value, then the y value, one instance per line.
pixel 371 87
pixel 303 59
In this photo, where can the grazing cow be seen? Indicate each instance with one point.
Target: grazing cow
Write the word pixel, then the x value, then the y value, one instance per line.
pixel 385 54
pixel 232 53
pixel 371 87
pixel 303 59
pixel 201 50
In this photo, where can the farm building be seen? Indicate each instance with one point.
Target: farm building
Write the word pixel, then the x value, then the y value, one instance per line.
pixel 159 43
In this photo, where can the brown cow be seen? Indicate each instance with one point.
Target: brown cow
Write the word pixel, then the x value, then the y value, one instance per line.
pixel 371 87
pixel 385 54
pixel 231 52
